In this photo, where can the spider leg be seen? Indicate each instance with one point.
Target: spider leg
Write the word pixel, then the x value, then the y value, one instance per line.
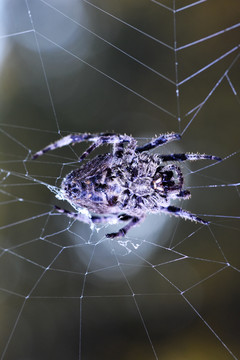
pixel 88 151
pixel 188 156
pixel 122 232
pixel 160 140
pixel 73 215
pixel 184 194
pixel 173 210
pixel 118 142
pixel 98 140
pixel 96 219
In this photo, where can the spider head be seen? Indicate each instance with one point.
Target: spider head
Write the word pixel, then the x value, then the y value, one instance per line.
pixel 163 180
pixel 169 181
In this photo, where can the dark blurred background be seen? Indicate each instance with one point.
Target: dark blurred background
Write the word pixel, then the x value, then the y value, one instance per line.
pixel 108 65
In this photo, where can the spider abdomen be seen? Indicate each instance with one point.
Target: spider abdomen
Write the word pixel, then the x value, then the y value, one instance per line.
pixel 104 186
pixel 92 186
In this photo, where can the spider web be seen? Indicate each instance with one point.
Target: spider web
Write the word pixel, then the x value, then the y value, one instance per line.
pixel 170 288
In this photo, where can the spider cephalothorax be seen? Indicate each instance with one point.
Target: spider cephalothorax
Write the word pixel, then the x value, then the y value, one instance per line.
pixel 126 184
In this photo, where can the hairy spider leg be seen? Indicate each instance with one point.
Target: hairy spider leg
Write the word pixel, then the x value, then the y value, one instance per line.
pixel 160 140
pixel 188 156
pixel 77 216
pixel 100 139
pixel 98 219
pixel 173 210
pixel 88 151
pixel 95 219
pixel 117 140
pixel 184 194
pixel 122 232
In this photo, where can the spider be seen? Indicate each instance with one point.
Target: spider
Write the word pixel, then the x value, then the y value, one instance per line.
pixel 127 183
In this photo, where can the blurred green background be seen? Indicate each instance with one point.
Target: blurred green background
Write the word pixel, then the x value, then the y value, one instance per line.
pixel 111 66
